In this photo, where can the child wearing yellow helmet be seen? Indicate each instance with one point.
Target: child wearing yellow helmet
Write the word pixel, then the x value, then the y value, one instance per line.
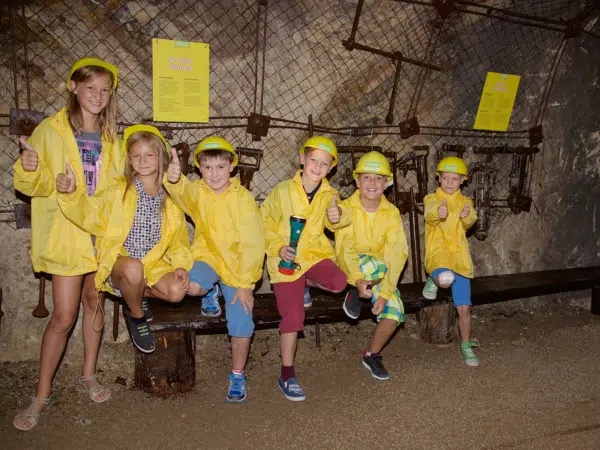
pixel 372 251
pixel 309 196
pixel 448 215
pixel 83 133
pixel 228 247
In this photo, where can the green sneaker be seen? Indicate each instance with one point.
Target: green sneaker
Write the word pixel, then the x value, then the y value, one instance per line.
pixel 430 289
pixel 469 354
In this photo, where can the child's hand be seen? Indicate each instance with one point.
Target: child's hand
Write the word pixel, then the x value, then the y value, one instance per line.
pixel 183 277
pixel 174 170
pixel 334 212
pixel 379 306
pixel 364 289
pixel 443 210
pixel 244 295
pixel 29 157
pixel 287 253
pixel 465 211
pixel 65 182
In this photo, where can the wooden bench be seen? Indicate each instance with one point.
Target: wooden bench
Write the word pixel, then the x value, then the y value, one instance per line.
pixel 171 368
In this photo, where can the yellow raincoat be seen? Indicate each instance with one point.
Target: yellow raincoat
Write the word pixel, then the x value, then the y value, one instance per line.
pixel 445 240
pixel 58 246
pixel 384 239
pixel 109 216
pixel 289 199
pixel 229 234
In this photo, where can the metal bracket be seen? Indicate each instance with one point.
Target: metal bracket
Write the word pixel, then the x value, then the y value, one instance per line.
pixel 22 122
pixel 258 126
pixel 457 149
pixel 248 164
pixel 444 7
pixel 409 127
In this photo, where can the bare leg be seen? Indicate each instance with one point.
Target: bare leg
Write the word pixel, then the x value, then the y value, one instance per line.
pixel 288 343
pixel 383 333
pixel 464 322
pixel 128 276
pixel 168 288
pixel 196 291
pixel 240 346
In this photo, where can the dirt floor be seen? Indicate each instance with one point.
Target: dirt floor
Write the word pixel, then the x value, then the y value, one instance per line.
pixel 538 388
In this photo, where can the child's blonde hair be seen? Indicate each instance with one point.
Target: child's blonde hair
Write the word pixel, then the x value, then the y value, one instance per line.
pixel 108 116
pixel 157 145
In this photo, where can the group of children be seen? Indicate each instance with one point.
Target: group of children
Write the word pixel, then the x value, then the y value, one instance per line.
pixel 108 219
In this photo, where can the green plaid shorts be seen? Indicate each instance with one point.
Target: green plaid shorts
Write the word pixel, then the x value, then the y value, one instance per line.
pixel 374 269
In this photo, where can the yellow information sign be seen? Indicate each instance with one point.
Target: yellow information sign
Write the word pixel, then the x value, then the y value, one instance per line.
pixel 497 101
pixel 180 76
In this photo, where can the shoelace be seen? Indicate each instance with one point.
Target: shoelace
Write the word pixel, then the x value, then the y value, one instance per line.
pixel 295 388
pixel 469 353
pixel 143 330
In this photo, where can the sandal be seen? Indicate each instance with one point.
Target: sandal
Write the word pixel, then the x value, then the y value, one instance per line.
pixel 97 390
pixel 30 415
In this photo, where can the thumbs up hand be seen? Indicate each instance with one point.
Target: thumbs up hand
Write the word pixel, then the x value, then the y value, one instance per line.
pixel 174 170
pixel 465 211
pixel 334 212
pixel 443 210
pixel 65 182
pixel 29 157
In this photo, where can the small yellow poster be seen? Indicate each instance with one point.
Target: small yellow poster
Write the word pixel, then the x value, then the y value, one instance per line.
pixel 180 77
pixel 497 101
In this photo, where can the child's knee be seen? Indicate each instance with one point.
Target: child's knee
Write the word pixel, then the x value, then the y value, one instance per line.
pixel 339 283
pixel 175 292
pixel 241 326
pixel 62 321
pixel 292 321
pixel 196 291
pixel 132 271
pixel 463 310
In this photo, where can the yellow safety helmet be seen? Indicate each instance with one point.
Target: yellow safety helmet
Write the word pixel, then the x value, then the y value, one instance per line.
pixel 93 61
pixel 149 128
pixel 452 164
pixel 322 143
pixel 373 162
pixel 214 143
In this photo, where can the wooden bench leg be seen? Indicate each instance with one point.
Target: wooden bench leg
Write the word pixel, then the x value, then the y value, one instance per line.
pixel 437 324
pixel 171 368
pixel 596 300
pixel 317 334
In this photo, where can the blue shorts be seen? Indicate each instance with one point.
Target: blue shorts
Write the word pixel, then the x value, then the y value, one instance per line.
pixel 239 324
pixel 461 288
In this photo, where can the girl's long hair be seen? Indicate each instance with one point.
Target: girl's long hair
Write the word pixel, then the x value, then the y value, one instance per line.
pixel 108 116
pixel 163 160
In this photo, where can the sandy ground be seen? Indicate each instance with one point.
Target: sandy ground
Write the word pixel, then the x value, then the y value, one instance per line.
pixel 538 388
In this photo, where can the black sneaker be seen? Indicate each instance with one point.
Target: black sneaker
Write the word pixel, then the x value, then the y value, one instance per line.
pixel 374 364
pixel 352 304
pixel 148 314
pixel 140 333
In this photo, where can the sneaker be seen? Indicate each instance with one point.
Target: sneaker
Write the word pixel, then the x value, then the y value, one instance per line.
pixel 307 298
pixel 352 304
pixel 210 303
pixel 430 289
pixel 146 310
pixel 291 389
pixel 468 354
pixel 141 335
pixel 375 366
pixel 237 388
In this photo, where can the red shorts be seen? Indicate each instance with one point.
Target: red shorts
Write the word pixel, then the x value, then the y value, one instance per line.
pixel 290 296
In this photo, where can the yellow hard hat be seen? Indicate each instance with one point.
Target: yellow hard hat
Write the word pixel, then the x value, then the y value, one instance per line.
pixel 215 143
pixel 322 143
pixel 373 162
pixel 149 128
pixel 92 61
pixel 452 164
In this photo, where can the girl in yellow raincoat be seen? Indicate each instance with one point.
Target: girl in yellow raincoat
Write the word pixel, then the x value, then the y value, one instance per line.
pixel 82 134
pixel 142 240
pixel 448 216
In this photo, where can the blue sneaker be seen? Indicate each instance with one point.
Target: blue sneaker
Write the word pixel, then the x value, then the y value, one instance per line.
pixel 291 389
pixel 237 388
pixel 210 303
pixel 307 298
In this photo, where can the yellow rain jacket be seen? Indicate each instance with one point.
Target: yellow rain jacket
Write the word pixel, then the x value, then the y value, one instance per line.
pixel 57 245
pixel 109 216
pixel 289 199
pixel 382 238
pixel 229 234
pixel 445 240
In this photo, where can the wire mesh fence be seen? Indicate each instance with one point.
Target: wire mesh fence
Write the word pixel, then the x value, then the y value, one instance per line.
pixel 287 60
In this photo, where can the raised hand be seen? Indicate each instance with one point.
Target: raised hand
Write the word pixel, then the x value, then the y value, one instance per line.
pixel 29 157
pixel 66 182
pixel 443 210
pixel 174 170
pixel 465 211
pixel 334 212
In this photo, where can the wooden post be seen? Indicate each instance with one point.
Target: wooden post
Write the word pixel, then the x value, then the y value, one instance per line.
pixel 171 368
pixel 596 300
pixel 437 324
